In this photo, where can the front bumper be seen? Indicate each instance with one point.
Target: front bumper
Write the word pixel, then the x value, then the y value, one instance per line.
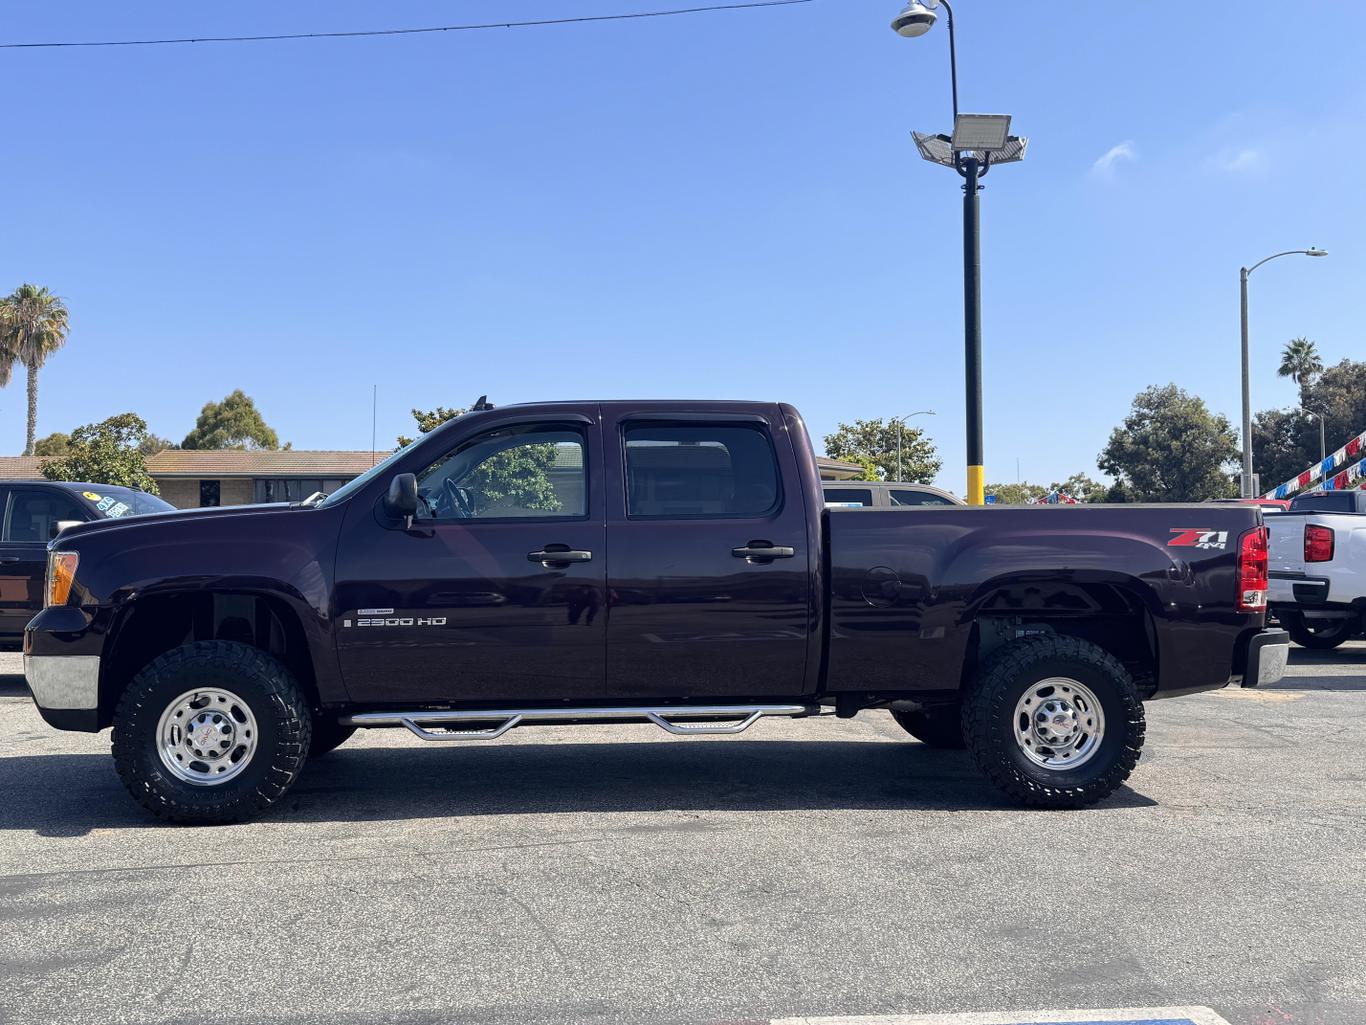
pixel 1267 654
pixel 62 667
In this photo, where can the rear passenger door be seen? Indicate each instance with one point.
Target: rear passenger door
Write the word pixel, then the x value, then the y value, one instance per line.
pixel 29 516
pixel 708 567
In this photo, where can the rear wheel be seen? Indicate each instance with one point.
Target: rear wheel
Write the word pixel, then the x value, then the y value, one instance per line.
pixel 213 731
pixel 941 728
pixel 1320 634
pixel 1054 722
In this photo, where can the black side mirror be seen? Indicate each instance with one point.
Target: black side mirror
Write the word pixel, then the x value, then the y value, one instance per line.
pixel 401 501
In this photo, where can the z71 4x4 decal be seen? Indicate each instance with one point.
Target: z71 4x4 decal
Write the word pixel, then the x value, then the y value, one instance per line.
pixel 1198 538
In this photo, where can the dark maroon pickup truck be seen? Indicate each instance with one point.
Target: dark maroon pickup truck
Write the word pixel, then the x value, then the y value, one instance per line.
pixel 655 562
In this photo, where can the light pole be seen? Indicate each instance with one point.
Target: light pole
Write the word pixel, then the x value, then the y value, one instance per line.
pixel 1323 449
pixel 978 141
pixel 900 423
pixel 1243 274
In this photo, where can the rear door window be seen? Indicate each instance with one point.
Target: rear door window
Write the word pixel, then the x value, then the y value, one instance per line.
pixel 692 471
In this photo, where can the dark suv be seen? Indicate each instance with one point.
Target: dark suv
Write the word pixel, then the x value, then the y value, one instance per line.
pixel 33 512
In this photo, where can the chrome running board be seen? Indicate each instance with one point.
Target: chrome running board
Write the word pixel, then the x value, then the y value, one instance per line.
pixel 680 720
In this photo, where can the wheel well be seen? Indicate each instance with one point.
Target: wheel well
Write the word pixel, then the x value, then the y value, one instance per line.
pixel 153 625
pixel 1117 622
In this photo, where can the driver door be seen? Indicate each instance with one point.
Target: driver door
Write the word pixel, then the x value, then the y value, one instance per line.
pixel 497 593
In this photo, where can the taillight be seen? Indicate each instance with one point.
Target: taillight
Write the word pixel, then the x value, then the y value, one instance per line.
pixel 1318 544
pixel 61 574
pixel 1252 578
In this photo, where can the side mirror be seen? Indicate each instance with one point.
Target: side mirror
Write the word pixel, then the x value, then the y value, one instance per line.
pixel 401 501
pixel 61 525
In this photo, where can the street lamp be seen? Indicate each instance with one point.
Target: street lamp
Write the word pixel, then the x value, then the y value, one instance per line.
pixel 1243 274
pixel 977 142
pixel 900 423
pixel 1323 449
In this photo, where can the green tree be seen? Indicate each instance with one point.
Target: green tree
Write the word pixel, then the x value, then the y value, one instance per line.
pixel 1018 493
pixel 428 421
pixel 155 443
pixel 1301 363
pixel 233 423
pixel 1171 448
pixel 1083 488
pixel 105 453
pixel 55 444
pixel 33 325
pixel 874 441
pixel 1285 442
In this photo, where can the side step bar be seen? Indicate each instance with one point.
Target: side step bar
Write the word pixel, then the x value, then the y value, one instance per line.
pixel 680 720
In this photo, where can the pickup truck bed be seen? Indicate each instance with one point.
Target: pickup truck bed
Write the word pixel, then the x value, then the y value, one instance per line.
pixel 659 562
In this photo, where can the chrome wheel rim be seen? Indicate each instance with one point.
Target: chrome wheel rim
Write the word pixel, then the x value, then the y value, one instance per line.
pixel 207 736
pixel 1059 723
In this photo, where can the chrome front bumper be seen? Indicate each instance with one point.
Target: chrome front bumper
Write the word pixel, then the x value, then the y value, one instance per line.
pixel 64 682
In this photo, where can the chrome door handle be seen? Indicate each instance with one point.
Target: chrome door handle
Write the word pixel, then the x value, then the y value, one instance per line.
pixel 760 552
pixel 556 556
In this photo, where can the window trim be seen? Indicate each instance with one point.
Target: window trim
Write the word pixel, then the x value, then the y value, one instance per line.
pixel 749 422
pixel 580 427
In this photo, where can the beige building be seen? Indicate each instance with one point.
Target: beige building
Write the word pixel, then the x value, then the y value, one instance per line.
pixel 190 478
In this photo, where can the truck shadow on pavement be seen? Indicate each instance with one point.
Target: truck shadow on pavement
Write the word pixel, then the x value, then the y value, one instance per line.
pixel 72 794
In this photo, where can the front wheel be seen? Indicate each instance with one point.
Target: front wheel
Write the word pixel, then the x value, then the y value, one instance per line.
pixel 210 732
pixel 1319 634
pixel 1054 722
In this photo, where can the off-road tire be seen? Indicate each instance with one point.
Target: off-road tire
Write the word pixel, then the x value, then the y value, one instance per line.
pixel 989 706
pixel 282 716
pixel 1325 639
pixel 940 728
pixel 328 735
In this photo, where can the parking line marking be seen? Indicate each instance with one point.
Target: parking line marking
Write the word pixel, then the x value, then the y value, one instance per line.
pixel 1120 1016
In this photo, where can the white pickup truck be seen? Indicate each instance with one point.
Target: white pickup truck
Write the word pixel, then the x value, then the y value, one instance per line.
pixel 1318 568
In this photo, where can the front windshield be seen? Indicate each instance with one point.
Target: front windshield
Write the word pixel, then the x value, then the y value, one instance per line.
pixel 352 486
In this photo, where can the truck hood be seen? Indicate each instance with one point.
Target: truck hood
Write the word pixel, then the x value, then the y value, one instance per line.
pixel 218 513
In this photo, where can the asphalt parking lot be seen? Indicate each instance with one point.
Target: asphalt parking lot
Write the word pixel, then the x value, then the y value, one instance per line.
pixel 616 874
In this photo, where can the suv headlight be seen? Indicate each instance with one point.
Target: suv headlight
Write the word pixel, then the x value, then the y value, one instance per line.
pixel 61 574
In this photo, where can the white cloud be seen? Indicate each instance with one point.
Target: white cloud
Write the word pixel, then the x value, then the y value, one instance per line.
pixel 1105 163
pixel 1235 160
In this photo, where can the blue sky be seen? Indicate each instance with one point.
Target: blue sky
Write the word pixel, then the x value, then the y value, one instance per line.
pixel 720 205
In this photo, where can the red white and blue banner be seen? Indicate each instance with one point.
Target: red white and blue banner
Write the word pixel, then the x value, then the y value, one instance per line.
pixel 1326 475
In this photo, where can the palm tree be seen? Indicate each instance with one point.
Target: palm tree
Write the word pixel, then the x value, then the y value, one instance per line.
pixel 33 325
pixel 1300 362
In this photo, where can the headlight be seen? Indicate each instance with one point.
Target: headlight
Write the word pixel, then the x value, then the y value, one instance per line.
pixel 61 574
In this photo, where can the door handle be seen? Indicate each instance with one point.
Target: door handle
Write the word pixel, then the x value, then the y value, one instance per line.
pixel 558 556
pixel 757 553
